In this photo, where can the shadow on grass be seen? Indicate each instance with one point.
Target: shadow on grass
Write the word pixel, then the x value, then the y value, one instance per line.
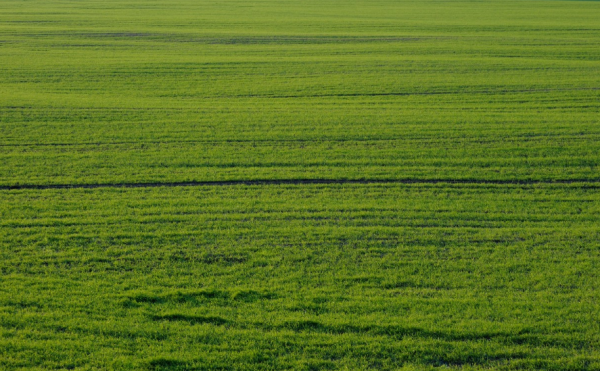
pixel 522 337
pixel 192 319
pixel 195 296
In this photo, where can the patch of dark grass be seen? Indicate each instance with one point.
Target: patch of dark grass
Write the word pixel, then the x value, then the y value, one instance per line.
pixel 195 297
pixel 145 297
pixel 191 319
pixel 250 296
pixel 217 258
pixel 401 332
pixel 160 364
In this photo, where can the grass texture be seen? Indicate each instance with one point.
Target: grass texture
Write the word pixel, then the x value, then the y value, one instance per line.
pixel 299 185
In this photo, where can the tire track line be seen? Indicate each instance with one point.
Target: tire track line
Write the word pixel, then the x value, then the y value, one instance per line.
pixel 265 182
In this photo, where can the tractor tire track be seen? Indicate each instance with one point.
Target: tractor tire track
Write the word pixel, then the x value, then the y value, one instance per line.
pixel 593 183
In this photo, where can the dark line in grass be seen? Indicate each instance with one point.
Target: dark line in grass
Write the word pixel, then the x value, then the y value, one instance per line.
pixel 402 94
pixel 192 319
pixel 275 141
pixel 330 95
pixel 296 182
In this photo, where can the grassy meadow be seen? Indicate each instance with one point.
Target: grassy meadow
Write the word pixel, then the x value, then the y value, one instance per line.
pixel 299 185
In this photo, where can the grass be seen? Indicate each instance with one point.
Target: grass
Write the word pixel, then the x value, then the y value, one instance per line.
pixel 369 185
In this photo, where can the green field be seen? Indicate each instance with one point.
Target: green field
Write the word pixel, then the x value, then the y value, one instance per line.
pixel 299 185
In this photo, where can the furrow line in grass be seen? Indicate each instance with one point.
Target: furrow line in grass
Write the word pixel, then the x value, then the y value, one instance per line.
pixel 343 95
pixel 299 182
pixel 516 138
pixel 392 94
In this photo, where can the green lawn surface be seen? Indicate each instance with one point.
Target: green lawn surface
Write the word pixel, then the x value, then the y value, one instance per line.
pixel 369 185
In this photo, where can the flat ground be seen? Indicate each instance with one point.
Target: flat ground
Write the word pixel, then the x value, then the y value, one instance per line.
pixel 319 185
